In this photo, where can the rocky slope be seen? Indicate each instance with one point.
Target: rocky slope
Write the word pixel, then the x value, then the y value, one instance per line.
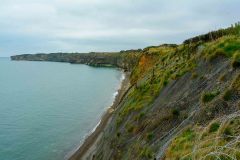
pixel 183 102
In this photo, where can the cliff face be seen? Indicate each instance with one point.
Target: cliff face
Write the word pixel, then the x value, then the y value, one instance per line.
pixel 125 60
pixel 183 102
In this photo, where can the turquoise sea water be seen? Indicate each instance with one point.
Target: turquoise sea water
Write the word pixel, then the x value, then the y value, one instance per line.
pixel 46 108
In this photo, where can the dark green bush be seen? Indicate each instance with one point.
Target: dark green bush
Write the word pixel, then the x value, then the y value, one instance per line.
pixel 150 136
pixel 227 94
pixel 118 134
pixel 214 127
pixel 165 82
pixel 227 133
pixel 142 114
pixel 207 97
pixel 175 112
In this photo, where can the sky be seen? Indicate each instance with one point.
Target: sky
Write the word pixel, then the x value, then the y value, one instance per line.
pixel 44 26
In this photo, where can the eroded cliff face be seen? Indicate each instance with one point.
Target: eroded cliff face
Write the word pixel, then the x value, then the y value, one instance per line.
pixel 184 103
pixel 149 132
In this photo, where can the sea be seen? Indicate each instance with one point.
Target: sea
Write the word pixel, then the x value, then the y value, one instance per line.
pixel 47 109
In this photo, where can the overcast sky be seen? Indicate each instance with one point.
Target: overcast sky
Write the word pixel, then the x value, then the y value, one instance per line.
pixel 32 26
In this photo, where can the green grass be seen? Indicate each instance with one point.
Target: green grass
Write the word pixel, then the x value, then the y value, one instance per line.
pixel 225 46
pixel 146 152
pixel 139 150
pixel 198 141
pixel 181 145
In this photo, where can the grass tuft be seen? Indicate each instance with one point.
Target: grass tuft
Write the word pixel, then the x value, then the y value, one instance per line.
pixel 227 94
pixel 236 59
pixel 207 97
pixel 175 112
pixel 214 127
pixel 150 136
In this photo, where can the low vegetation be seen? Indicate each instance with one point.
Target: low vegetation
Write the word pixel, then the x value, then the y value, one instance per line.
pixel 227 94
pixel 214 127
pixel 225 46
pixel 220 141
pixel 236 59
pixel 209 96
pixel 175 112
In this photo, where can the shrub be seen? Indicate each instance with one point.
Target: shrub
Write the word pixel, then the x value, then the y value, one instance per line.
pixel 236 83
pixel 118 134
pixel 118 122
pixel 217 52
pixel 222 77
pixel 227 94
pixel 165 82
pixel 150 136
pixel 207 97
pixel 227 133
pixel 194 75
pixel 129 128
pixel 146 152
pixel 141 115
pixel 214 127
pixel 203 77
pixel 236 60
pixel 189 134
pixel 175 112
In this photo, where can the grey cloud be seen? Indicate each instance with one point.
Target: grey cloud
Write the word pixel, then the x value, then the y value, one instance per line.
pixel 28 26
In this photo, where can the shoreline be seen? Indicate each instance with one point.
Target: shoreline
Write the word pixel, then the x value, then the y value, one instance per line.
pixel 89 144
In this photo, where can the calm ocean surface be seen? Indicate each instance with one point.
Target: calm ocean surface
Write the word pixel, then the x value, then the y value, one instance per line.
pixel 46 108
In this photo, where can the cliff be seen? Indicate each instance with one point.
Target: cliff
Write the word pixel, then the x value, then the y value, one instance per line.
pixel 124 59
pixel 183 101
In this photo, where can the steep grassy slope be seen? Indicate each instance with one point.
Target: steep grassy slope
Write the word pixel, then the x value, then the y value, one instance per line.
pixel 183 102
pixel 176 91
